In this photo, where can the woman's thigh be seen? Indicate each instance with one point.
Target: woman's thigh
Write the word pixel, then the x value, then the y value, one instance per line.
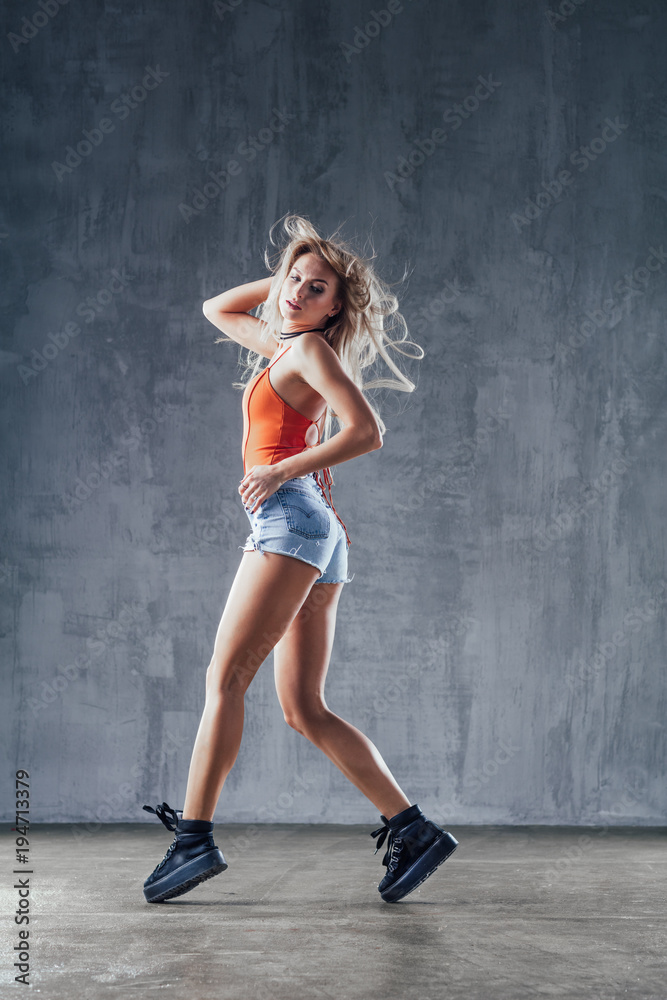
pixel 301 657
pixel 266 594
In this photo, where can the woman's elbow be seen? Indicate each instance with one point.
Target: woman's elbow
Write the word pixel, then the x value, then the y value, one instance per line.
pixel 374 439
pixel 368 435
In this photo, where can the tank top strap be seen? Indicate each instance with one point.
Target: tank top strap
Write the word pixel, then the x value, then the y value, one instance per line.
pixel 276 357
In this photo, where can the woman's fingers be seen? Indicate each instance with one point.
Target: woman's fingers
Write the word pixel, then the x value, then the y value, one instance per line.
pixel 246 488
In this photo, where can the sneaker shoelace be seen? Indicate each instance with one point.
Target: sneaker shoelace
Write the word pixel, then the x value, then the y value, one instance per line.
pixel 161 812
pixel 169 853
pixel 394 845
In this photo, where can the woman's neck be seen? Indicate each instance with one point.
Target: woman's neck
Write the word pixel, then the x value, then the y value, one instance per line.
pixel 297 333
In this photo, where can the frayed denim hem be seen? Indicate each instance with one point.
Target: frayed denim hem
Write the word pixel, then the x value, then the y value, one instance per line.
pixel 262 548
pixel 349 580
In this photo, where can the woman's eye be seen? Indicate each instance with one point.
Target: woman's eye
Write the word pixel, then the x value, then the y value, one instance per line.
pixel 313 288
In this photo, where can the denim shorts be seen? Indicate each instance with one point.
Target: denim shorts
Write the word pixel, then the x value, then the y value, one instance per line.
pixel 298 521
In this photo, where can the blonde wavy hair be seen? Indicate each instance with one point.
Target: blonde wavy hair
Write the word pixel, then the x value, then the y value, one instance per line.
pixel 358 332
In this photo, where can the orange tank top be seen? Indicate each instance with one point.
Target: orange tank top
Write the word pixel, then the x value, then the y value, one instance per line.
pixel 273 430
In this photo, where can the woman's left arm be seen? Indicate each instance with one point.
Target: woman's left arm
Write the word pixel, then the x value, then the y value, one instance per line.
pixel 320 367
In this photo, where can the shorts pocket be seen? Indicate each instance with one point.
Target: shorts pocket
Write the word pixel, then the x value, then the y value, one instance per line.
pixel 303 514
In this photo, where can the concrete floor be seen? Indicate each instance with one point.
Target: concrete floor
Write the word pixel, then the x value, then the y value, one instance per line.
pixel 515 912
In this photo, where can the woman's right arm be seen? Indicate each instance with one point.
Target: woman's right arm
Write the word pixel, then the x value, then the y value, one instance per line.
pixel 229 312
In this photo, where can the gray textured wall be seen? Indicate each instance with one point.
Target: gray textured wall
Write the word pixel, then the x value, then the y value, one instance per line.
pixel 503 641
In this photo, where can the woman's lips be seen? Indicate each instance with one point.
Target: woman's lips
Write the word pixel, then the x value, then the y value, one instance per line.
pixel 292 305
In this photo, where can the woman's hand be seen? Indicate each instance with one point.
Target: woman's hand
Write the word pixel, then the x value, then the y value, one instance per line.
pixel 261 481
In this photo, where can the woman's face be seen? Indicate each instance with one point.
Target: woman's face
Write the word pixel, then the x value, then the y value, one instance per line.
pixel 311 286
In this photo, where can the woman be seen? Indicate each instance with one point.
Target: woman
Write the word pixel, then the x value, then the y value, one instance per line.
pixel 321 320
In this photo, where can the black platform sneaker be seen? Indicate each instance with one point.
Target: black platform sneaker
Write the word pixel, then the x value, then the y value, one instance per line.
pixel 415 848
pixel 191 859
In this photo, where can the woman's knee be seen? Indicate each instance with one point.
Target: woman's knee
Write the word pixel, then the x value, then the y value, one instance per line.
pixel 306 719
pixel 228 678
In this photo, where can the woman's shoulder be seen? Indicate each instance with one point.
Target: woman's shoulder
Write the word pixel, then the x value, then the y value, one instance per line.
pixel 312 343
pixel 309 354
pixel 312 349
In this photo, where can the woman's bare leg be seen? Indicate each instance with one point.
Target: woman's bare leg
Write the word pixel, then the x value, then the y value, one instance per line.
pixel 301 660
pixel 266 594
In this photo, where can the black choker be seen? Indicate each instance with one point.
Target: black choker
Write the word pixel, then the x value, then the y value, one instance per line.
pixel 286 336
